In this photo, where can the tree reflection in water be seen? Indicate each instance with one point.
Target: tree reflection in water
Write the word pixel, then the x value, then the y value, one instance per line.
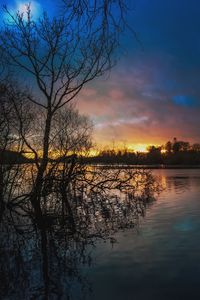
pixel 41 256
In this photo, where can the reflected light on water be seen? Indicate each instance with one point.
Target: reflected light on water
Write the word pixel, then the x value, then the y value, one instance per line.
pixel 147 250
pixel 159 261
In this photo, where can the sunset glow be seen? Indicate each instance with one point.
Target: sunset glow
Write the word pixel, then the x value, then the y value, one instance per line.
pixel 138 147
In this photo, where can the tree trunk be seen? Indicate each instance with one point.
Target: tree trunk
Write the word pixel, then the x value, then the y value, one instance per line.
pixel 2 204
pixel 37 189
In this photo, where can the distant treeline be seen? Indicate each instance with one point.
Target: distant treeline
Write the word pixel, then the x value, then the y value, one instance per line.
pixel 13 157
pixel 172 153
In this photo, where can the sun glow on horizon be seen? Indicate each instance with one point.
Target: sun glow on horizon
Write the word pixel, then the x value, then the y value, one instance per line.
pixel 95 151
pixel 138 147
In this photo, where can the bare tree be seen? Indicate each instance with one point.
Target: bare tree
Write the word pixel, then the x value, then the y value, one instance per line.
pixel 60 55
pixel 11 143
pixel 71 133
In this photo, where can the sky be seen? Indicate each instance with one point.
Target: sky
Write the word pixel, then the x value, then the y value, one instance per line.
pixel 153 93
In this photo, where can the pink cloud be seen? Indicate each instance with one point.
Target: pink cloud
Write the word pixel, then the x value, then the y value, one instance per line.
pixel 134 105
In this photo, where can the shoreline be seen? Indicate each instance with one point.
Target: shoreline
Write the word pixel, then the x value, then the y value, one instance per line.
pixel 128 166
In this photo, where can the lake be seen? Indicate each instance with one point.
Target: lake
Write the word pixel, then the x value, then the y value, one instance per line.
pixel 157 259
pixel 160 258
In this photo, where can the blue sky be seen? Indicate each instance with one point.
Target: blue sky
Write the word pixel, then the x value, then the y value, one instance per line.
pixel 153 94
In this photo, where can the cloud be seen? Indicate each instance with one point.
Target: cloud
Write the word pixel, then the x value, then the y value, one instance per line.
pixel 149 102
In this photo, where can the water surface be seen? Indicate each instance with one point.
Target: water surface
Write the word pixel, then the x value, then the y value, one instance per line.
pixel 160 259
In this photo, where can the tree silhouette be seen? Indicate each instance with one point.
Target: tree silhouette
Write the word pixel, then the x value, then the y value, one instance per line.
pixel 60 55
